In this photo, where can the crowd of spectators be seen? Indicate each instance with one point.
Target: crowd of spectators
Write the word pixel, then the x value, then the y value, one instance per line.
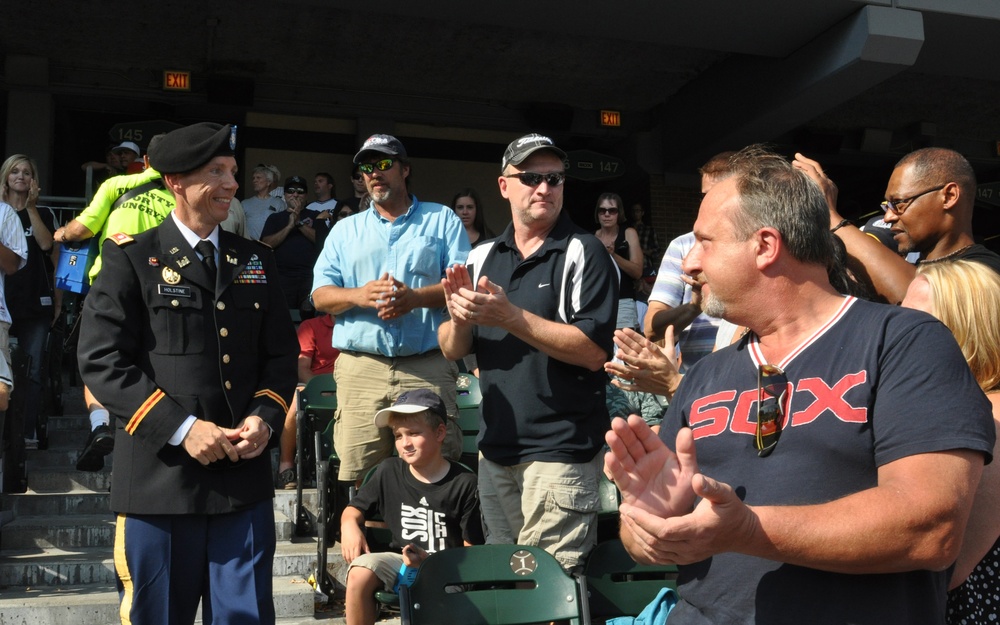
pixel 773 424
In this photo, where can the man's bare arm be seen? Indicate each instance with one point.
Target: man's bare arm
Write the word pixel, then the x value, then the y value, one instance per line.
pixel 888 272
pixel 660 316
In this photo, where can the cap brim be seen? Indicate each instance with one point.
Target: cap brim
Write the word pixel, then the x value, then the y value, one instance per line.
pixel 551 148
pixel 382 416
pixel 387 151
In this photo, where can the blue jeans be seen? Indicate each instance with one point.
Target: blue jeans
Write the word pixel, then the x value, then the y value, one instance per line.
pixel 32 339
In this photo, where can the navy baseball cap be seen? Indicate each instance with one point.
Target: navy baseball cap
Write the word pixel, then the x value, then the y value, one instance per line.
pixel 412 402
pixel 383 144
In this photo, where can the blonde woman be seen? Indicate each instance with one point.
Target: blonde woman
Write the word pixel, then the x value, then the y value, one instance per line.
pixel 29 293
pixel 965 296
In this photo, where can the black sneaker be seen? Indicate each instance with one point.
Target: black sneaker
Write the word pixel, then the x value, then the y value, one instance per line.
pixel 100 444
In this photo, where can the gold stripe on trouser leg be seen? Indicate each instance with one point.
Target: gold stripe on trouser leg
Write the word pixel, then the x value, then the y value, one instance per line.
pixel 121 567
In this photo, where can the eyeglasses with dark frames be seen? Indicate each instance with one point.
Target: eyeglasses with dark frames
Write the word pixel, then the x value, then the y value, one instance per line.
pixel 533 179
pixel 772 389
pixel 381 165
pixel 898 207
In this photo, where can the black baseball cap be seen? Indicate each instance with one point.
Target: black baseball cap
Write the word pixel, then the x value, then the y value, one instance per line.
pixel 296 182
pixel 522 148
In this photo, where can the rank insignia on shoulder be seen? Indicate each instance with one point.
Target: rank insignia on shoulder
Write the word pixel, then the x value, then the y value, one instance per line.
pixel 121 238
pixel 154 262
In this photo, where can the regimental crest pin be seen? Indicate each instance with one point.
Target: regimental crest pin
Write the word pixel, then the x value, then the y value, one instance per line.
pixel 232 137
pixel 154 261
pixel 170 276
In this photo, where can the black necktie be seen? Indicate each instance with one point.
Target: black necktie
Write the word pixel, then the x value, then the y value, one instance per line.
pixel 207 251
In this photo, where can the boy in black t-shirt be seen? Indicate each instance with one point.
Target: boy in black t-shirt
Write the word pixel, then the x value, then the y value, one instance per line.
pixel 427 502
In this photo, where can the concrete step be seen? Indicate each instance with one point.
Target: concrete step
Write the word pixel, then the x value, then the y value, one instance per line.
pixel 53 567
pixel 65 479
pixel 57 567
pixel 86 530
pixel 75 501
pixel 77 422
pixel 52 457
pixel 86 501
pixel 69 438
pixel 294 602
pixel 60 532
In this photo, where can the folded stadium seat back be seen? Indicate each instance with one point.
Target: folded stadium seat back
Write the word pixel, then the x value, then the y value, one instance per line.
pixel 493 585
pixel 618 586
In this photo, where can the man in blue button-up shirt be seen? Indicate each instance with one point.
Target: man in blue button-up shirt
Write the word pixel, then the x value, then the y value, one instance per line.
pixel 380 275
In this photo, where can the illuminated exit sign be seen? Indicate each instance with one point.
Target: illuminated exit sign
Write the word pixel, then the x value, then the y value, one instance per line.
pixel 611 118
pixel 176 81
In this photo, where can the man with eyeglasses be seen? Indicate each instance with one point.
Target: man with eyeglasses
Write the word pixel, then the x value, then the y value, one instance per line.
pixel 822 469
pixel 537 305
pixel 379 274
pixel 292 235
pixel 928 207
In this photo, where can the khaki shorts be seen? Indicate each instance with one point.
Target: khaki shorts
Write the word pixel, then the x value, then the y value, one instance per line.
pixel 367 384
pixel 384 564
pixel 550 505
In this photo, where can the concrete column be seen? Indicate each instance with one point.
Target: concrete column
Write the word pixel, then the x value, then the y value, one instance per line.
pixel 30 113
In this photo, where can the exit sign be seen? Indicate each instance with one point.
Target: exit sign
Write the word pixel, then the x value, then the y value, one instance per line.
pixel 176 80
pixel 611 118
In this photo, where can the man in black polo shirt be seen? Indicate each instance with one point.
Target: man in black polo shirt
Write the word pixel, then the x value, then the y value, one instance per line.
pixel 538 308
pixel 292 234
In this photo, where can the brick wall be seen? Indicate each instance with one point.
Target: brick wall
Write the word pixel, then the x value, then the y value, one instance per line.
pixel 672 209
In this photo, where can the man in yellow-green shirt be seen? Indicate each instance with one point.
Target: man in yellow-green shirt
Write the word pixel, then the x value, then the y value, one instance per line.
pixel 129 204
pixel 137 213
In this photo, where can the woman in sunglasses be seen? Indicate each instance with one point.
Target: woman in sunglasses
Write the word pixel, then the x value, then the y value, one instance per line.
pixel 965 296
pixel 622 243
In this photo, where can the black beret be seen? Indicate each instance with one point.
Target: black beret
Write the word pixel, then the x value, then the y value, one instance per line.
pixel 188 148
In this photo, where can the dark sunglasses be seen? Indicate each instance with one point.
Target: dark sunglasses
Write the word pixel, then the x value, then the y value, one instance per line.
pixel 382 165
pixel 531 179
pixel 608 211
pixel 294 190
pixel 772 387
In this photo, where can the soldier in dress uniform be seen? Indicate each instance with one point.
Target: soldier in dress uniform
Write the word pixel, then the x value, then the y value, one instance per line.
pixel 187 341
